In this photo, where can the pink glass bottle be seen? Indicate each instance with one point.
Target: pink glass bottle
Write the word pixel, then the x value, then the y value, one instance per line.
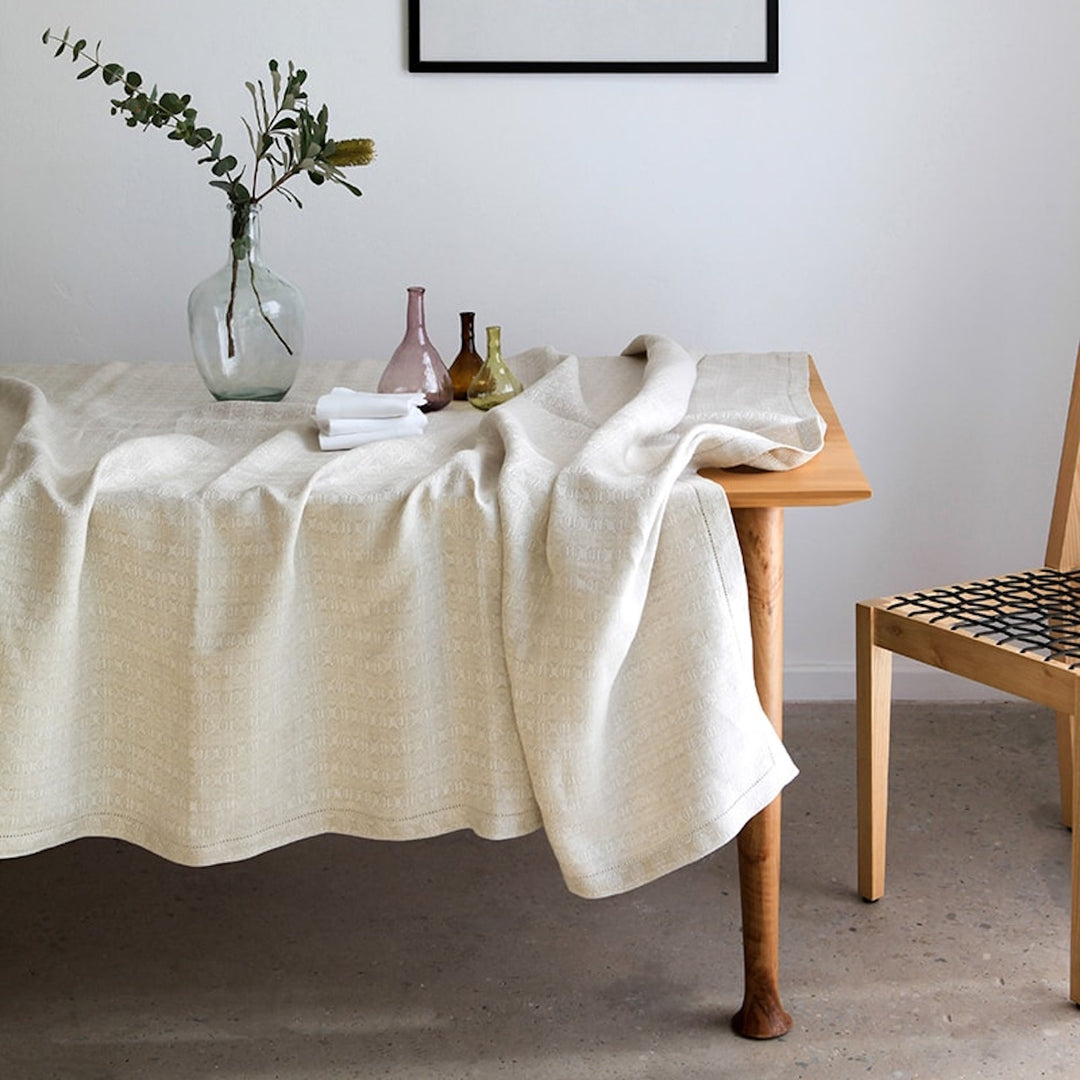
pixel 416 363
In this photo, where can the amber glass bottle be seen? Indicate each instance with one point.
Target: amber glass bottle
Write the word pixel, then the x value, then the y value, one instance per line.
pixel 468 361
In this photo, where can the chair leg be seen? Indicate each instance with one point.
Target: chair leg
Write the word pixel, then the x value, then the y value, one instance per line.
pixel 1065 766
pixel 1074 919
pixel 873 692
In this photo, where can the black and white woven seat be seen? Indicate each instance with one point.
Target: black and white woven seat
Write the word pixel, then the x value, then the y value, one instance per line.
pixel 1035 612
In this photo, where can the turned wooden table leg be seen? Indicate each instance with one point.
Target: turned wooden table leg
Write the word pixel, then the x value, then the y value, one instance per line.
pixel 761 536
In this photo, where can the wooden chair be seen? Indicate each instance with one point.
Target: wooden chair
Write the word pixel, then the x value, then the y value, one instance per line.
pixel 1019 633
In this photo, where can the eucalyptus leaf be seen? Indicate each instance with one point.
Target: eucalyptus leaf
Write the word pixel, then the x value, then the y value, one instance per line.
pixel 262 100
pixel 254 100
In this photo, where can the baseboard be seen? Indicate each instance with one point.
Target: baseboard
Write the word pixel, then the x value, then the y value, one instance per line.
pixel 911 682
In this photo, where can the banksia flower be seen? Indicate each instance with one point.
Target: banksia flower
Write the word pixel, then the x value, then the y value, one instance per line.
pixel 351 152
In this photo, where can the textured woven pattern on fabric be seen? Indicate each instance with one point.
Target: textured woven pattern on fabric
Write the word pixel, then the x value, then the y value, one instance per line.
pixel 1035 612
pixel 216 638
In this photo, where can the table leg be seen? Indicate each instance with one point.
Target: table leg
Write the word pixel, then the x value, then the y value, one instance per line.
pixel 761 537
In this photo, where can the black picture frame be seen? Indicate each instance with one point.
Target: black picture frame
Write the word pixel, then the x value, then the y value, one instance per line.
pixel 425 57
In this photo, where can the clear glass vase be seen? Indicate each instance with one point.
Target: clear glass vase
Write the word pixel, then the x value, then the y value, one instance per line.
pixel 416 364
pixel 494 383
pixel 245 322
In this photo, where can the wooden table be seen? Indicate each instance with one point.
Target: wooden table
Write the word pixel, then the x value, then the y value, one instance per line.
pixel 758 499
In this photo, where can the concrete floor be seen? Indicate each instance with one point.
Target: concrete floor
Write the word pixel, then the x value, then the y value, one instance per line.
pixel 461 958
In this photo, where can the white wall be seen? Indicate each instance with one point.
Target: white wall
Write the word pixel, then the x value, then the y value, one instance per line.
pixel 903 200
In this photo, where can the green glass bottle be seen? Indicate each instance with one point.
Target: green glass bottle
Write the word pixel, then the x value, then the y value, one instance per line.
pixel 494 383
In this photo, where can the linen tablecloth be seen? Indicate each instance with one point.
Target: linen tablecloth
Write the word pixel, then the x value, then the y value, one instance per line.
pixel 216 639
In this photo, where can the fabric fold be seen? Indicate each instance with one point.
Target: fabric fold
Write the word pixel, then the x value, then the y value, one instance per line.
pixel 582 540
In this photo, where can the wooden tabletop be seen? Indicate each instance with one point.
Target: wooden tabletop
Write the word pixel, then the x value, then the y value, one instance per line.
pixel 831 478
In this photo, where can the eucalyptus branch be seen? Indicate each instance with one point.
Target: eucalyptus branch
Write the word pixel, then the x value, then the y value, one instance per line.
pixel 291 136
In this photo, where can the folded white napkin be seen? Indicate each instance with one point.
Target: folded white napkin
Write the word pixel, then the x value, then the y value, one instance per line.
pixel 365 431
pixel 347 418
pixel 342 403
pixel 365 426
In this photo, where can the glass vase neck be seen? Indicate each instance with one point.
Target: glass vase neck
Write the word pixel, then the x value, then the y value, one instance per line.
pixel 414 313
pixel 468 329
pixel 244 235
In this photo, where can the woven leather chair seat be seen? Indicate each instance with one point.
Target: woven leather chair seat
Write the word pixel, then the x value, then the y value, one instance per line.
pixel 1036 612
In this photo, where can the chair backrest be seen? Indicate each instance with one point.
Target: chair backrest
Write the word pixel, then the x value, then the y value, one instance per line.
pixel 1063 546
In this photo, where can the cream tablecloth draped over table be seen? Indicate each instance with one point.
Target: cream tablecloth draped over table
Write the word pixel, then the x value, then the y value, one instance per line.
pixel 216 639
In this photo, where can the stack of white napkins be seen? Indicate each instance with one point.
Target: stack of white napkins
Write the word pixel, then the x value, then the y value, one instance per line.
pixel 347 418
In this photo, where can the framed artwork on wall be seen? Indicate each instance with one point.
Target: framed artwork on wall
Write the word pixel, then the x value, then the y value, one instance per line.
pixel 739 36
